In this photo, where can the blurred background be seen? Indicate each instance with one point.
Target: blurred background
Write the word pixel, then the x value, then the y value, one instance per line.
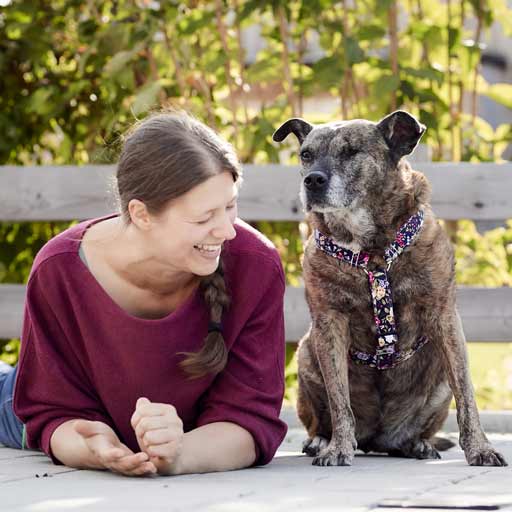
pixel 75 74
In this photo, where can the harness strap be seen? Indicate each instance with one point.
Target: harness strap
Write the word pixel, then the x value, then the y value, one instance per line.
pixel 373 361
pixel 386 355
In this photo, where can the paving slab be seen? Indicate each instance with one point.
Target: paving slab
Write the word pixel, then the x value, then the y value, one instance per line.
pixel 29 482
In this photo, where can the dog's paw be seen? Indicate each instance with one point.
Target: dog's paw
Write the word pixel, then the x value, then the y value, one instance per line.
pixel 419 449
pixel 334 457
pixel 313 447
pixel 485 457
pixel 422 449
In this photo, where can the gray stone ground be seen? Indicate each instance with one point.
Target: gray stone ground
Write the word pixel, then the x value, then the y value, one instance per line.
pixel 29 482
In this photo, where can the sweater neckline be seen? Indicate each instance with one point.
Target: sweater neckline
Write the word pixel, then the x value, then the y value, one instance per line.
pixel 110 302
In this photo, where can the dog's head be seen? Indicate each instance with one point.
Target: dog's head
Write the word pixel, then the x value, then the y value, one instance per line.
pixel 344 161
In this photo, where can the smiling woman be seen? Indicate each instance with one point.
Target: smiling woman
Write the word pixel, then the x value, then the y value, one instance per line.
pixel 156 330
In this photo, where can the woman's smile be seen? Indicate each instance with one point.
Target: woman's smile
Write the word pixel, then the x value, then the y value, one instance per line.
pixel 208 251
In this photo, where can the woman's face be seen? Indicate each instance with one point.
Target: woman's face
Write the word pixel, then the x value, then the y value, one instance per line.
pixel 188 235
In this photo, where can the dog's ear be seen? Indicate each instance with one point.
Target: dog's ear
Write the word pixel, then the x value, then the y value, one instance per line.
pixel 297 126
pixel 401 132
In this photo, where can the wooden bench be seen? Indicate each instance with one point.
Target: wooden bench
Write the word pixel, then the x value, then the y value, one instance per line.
pixel 480 192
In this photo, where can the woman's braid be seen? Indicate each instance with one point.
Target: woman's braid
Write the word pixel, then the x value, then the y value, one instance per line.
pixel 212 358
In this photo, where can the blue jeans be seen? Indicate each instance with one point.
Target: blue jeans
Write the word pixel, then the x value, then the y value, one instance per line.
pixel 12 431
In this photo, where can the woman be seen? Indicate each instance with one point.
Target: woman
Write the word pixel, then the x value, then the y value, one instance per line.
pixel 153 339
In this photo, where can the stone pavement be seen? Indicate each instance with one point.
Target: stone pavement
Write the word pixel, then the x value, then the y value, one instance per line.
pixel 30 483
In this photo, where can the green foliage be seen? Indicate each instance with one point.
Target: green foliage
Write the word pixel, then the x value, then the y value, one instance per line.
pixel 484 259
pixel 74 75
pixel 291 373
pixel 492 380
pixel 20 243
pixel 287 239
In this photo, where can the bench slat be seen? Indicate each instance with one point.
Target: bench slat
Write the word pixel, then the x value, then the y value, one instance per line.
pixel 486 312
pixel 460 191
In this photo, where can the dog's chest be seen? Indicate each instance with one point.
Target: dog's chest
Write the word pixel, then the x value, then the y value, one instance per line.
pixel 348 288
pixel 397 296
pixel 410 282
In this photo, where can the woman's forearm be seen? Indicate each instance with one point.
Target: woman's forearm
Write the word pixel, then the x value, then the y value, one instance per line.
pixel 220 446
pixel 71 449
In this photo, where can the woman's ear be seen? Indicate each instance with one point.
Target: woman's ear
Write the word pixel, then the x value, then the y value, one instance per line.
pixel 139 214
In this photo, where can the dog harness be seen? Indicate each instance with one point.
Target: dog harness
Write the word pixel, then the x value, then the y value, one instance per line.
pixel 386 355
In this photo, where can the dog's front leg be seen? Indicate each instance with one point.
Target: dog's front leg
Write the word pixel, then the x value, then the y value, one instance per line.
pixel 477 449
pixel 331 340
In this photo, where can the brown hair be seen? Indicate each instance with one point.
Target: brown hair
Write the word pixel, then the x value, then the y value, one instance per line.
pixel 163 157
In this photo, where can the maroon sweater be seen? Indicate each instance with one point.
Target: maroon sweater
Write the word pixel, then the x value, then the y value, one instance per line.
pixel 83 356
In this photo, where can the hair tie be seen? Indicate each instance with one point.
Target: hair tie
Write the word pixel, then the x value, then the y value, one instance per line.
pixel 214 327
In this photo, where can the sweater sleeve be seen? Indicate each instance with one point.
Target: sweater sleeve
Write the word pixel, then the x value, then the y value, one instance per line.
pixel 52 384
pixel 249 391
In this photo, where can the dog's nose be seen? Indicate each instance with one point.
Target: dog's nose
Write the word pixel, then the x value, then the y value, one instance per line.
pixel 315 181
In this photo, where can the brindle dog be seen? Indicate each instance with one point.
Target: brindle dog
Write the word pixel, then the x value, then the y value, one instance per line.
pixel 358 191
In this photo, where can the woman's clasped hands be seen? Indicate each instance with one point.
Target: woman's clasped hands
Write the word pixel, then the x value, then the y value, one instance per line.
pixel 159 432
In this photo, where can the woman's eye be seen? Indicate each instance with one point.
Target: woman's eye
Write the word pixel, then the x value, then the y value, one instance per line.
pixel 231 206
pixel 203 221
pixel 306 155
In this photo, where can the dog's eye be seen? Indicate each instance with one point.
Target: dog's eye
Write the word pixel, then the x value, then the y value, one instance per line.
pixel 350 152
pixel 306 155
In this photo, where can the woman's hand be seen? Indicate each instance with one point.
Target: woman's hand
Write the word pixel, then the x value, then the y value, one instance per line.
pixel 159 432
pixel 109 452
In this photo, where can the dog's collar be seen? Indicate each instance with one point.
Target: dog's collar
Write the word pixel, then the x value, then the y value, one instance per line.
pixel 403 238
pixel 386 356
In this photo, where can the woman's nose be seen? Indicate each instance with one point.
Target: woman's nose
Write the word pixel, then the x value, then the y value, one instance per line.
pixel 226 229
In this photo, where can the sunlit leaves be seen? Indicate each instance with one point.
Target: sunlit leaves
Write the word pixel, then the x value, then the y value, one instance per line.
pixel 146 98
pixel 484 259
pixel 353 52
pixel 386 84
pixel 121 59
pixel 502 93
pixel 328 71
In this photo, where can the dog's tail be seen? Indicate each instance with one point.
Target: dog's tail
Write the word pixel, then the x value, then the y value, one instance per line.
pixel 442 444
